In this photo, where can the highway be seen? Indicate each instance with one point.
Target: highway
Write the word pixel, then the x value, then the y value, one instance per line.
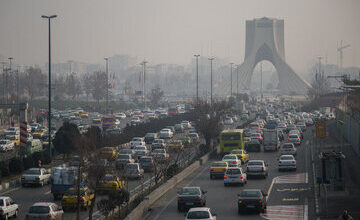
pixel 291 194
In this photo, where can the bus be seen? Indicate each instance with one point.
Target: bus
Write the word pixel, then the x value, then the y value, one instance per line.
pixel 230 140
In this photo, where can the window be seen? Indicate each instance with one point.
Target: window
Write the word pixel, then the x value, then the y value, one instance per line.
pixel 198 215
pixel 250 194
pixel 39 209
pixel 219 165
pixel 230 137
pixel 255 163
pixel 189 191
pixel 233 171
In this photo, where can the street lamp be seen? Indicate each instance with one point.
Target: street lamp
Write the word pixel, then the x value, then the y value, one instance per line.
pixel 231 64
pixel 197 77
pixel 144 91
pixel 211 80
pixel 49 113
pixel 107 84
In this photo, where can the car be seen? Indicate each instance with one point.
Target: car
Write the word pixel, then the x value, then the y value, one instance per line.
pixel 147 163
pixel 280 134
pixel 35 176
pixel 141 151
pixel 287 162
pixel 241 154
pixel 194 137
pixel 218 168
pixel 124 159
pixel 45 210
pixel 158 144
pixel 254 199
pixel 160 155
pixel 298 132
pixel 228 121
pixel 8 208
pixel 69 199
pixel 294 138
pixel 253 145
pixel 179 128
pixel 133 171
pixel 166 133
pixel 150 137
pixel 135 121
pixel 288 149
pixel 256 168
pixel 136 141
pixel 301 125
pixel 6 145
pixel 189 197
pixel 120 116
pixel 309 122
pixel 257 136
pixel 186 124
pixel 235 175
pixel 202 213
pixel 110 183
pixel 128 151
pixel 175 146
pixel 108 153
pixel 232 160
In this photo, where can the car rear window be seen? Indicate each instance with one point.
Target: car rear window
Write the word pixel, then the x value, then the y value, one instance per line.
pixel 219 165
pixel 233 171
pixel 255 163
pixel 293 136
pixel 39 209
pixel 250 194
pixel 229 157
pixel 1 202
pixel 198 215
pixel 189 191
pixel 286 158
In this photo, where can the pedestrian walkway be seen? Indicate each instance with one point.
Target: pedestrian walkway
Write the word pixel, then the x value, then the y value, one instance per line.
pixel 288 212
pixel 294 178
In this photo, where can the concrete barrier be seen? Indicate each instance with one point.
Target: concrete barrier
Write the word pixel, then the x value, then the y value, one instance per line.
pixel 141 209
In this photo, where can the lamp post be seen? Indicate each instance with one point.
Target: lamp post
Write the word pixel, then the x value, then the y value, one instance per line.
pixel 197 77
pixel 107 84
pixel 144 72
pixel 237 79
pixel 231 64
pixel 49 112
pixel 211 80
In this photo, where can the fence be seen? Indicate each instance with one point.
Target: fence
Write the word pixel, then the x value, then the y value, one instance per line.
pixel 349 128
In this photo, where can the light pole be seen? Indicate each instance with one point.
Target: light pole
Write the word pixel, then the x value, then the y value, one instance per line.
pixel 144 72
pixel 261 79
pixel 237 79
pixel 231 64
pixel 107 84
pixel 197 77
pixel 49 112
pixel 211 80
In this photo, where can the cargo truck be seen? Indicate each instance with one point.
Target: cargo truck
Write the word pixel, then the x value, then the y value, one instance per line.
pixel 271 139
pixel 62 179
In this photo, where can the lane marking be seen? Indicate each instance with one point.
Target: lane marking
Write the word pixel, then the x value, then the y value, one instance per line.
pixel 290 199
pixel 269 190
pixel 48 192
pixel 9 191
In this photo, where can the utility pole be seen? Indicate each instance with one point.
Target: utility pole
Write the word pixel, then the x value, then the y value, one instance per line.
pixel 144 72
pixel 8 75
pixel 197 77
pixel 107 83
pixel 340 50
pixel 237 79
pixel 49 112
pixel 211 80
pixel 261 81
pixel 231 64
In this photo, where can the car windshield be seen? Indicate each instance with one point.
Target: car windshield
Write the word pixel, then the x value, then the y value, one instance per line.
pixel 33 172
pixel 233 171
pixel 230 137
pixel 125 151
pixel 229 157
pixel 236 152
pixel 293 136
pixel 150 135
pixel 219 165
pixel 145 159
pixel 286 158
pixel 250 193
pixel 110 178
pixel 39 209
pixel 140 148
pixel 73 192
pixel 189 191
pixel 124 156
pixel 132 166
pixel 198 215
pixel 255 163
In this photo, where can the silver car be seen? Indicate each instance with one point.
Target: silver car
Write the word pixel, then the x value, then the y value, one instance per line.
pixel 287 162
pixel 133 171
pixel 288 149
pixel 235 176
pixel 45 210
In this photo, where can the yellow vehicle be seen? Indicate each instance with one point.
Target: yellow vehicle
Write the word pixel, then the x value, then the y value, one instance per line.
pixel 246 140
pixel 153 116
pixel 241 154
pixel 96 121
pixel 140 115
pixel 110 183
pixel 218 168
pixel 108 153
pixel 84 115
pixel 39 134
pixel 176 145
pixel 230 140
pixel 69 199
pixel 16 142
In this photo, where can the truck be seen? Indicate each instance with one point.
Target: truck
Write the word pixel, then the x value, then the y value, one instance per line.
pixel 271 139
pixel 62 179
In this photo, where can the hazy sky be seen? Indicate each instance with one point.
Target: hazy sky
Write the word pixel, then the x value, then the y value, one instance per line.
pixel 171 31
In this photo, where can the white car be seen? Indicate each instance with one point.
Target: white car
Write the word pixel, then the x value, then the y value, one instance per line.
pixel 8 208
pixel 202 213
pixel 6 145
pixel 228 121
pixel 257 168
pixel 45 210
pixel 160 154
pixel 166 133
pixel 136 141
pixel 287 162
pixel 35 176
pixel 120 116
pixel 135 121
pixel 232 160
pixel 141 151
pixel 186 124
pixel 235 175
pixel 133 171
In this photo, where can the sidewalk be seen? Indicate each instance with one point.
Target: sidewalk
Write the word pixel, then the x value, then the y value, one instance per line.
pixel 332 204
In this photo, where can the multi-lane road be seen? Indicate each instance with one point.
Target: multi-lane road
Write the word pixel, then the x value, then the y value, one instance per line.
pixel 291 194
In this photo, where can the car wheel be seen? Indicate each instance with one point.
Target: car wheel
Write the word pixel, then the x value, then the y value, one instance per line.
pixel 6 217
pixel 42 183
pixel 16 213
pixel 239 211
pixel 179 208
pixel 225 184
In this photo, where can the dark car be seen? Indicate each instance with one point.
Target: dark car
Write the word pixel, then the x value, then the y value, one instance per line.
pixel 281 134
pixel 251 199
pixel 189 197
pixel 253 146
pixel 150 137
pixel 147 163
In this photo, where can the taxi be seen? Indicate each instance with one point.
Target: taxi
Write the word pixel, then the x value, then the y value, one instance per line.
pixel 39 134
pixel 186 141
pixel 110 183
pixel 108 153
pixel 140 115
pixel 69 199
pixel 246 140
pixel 218 168
pixel 241 154
pixel 176 145
pixel 153 116
pixel 84 115
pixel 96 121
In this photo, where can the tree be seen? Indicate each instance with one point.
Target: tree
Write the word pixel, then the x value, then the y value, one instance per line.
pixel 35 82
pixel 98 85
pixel 105 206
pixel 87 85
pixel 66 138
pixel 156 95
pixel 73 86
pixel 59 88
pixel 94 135
pixel 118 198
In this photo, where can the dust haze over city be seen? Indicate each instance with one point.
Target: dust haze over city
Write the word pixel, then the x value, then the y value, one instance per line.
pixel 179 109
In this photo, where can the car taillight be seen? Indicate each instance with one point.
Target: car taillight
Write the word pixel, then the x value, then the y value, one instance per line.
pixel 225 176
pixel 50 216
pixel 262 168
pixel 241 176
pixel 1 211
pixel 211 169
pixel 293 149
pixel 260 201
pixel 235 162
pixel 293 162
pixel 180 199
pixel 240 202
pixel 298 139
pixel 247 169
pixel 288 139
pixel 198 199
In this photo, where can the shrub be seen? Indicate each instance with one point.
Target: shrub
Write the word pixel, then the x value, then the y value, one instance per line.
pixel 28 162
pixel 4 166
pixel 16 165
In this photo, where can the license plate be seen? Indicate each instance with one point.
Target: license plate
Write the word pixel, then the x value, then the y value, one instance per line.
pixel 251 206
pixel 189 203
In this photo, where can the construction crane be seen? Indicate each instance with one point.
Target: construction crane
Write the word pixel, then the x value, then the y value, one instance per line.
pixel 340 50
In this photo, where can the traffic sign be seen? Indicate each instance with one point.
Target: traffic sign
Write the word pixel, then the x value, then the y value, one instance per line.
pixel 320 129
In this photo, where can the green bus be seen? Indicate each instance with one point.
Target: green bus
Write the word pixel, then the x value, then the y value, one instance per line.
pixel 230 140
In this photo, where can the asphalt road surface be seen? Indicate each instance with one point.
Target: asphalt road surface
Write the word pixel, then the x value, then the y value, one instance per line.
pixel 291 194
